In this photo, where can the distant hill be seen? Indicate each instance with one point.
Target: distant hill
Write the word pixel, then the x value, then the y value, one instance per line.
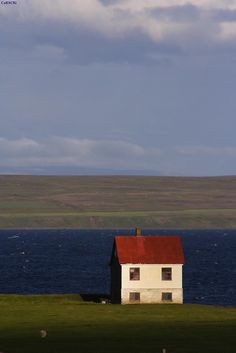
pixel 117 202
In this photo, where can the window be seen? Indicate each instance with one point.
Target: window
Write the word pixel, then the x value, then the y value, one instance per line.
pixel 166 274
pixel 134 297
pixel 134 274
pixel 166 297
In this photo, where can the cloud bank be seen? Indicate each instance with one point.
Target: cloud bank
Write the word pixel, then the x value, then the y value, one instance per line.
pixel 60 151
pixel 74 153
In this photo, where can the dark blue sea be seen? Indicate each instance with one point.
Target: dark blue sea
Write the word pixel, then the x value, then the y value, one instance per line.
pixel 77 261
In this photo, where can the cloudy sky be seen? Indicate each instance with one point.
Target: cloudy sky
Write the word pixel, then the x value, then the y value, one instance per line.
pixel 147 85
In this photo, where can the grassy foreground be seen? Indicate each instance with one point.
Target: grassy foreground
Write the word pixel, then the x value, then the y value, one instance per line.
pixel 117 202
pixel 74 326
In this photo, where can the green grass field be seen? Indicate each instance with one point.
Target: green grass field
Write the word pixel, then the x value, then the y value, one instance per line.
pixel 117 202
pixel 76 327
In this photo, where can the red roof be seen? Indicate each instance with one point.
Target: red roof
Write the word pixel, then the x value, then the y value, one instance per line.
pixel 149 249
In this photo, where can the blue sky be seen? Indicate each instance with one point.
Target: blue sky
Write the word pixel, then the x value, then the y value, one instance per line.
pixel 119 84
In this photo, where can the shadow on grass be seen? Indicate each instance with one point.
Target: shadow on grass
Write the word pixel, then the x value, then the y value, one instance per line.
pixel 95 298
pixel 130 337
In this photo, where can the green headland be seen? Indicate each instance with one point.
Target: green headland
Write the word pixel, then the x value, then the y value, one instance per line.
pixel 117 202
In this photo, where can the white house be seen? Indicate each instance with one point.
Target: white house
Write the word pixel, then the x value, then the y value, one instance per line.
pixel 147 269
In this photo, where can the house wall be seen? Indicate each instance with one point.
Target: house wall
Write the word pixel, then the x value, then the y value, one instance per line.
pixel 151 286
pixel 115 280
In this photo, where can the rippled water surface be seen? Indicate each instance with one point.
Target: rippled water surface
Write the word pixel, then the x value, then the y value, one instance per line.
pixel 77 261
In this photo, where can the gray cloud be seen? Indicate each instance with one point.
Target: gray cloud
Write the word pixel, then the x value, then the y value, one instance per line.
pixel 109 2
pixel 117 31
pixel 80 46
pixel 192 13
pixel 184 13
pixel 223 15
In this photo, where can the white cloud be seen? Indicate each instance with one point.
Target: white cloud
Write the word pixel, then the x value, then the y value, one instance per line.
pixel 121 17
pixel 228 31
pixel 15 148
pixel 59 151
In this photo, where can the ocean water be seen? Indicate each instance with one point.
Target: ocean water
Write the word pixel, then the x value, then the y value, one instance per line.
pixel 77 261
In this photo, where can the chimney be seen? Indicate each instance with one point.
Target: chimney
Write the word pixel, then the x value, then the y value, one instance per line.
pixel 138 232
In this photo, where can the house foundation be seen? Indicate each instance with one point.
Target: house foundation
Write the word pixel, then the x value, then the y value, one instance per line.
pixel 152 296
